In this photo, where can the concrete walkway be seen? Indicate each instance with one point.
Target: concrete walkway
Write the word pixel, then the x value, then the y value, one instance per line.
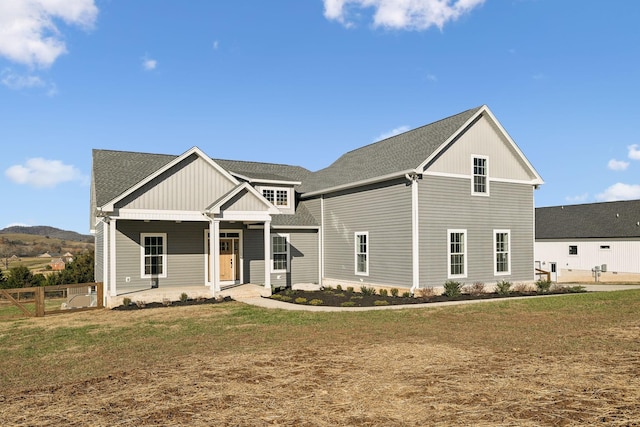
pixel 251 294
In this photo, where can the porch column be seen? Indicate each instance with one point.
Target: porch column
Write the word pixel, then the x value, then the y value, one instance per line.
pixel 214 241
pixel 112 258
pixel 267 255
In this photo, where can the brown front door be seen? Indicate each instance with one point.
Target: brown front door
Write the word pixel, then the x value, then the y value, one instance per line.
pixel 226 260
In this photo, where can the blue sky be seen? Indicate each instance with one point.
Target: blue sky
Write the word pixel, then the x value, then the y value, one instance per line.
pixel 303 81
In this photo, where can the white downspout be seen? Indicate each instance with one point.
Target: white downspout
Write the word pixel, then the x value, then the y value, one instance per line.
pixel 415 233
pixel 112 258
pixel 267 256
pixel 105 260
pixel 214 240
pixel 321 241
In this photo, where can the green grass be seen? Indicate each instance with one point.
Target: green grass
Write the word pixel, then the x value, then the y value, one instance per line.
pixel 39 351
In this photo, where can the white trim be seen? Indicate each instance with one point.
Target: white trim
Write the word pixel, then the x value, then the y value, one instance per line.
pixel 486 176
pixel 415 235
pixel 109 206
pixel 105 258
pixel 159 215
pixel 275 190
pixel 287 238
pixel 375 180
pixel 462 176
pixel 284 227
pixel 356 252
pixel 321 240
pixel 264 181
pixel 215 208
pixel 112 257
pixel 495 252
pixel 240 263
pixel 267 255
pixel 464 253
pixel 162 275
pixel 244 216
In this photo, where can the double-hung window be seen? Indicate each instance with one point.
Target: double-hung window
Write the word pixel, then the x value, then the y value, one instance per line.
pixel 502 247
pixel 480 184
pixel 457 254
pixel 153 255
pixel 280 253
pixel 277 196
pixel 362 253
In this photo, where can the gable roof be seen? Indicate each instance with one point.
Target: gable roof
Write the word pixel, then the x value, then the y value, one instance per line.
pixel 593 220
pixel 398 154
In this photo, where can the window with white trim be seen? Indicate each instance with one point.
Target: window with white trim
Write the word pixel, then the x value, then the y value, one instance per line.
pixel 573 250
pixel 457 253
pixel 277 196
pixel 502 248
pixel 153 248
pixel 279 253
pixel 362 253
pixel 480 175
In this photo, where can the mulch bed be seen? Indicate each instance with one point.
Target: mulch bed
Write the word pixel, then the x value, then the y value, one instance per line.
pixel 188 302
pixel 333 298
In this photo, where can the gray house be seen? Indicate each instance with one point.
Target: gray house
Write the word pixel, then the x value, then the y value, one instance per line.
pixel 449 200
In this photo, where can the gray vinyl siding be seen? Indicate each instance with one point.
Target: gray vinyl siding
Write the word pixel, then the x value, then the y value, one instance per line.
pixel 185 254
pixel 244 201
pixel 313 206
pixel 383 211
pixel 303 251
pixel 98 268
pixel 445 203
pixel 191 185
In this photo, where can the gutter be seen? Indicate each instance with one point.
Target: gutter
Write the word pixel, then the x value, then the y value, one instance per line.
pixel 375 180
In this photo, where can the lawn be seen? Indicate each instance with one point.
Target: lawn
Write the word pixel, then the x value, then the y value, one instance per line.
pixel 565 360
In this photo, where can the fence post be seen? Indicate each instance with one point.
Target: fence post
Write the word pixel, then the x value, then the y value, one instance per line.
pixel 100 294
pixel 39 299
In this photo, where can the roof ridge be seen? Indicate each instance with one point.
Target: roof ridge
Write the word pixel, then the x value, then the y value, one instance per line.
pixel 259 163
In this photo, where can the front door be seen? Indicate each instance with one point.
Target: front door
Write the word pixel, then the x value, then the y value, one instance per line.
pixel 229 256
pixel 554 271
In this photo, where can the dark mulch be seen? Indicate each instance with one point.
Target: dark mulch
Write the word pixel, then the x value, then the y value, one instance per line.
pixel 333 298
pixel 198 301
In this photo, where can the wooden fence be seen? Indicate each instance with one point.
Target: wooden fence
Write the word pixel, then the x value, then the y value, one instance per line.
pixel 56 299
pixel 541 273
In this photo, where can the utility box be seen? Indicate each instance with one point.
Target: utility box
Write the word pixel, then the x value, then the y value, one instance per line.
pixel 603 268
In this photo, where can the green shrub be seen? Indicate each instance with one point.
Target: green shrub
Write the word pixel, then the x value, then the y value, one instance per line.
pixel 368 291
pixel 184 297
pixel 543 286
pixel 452 288
pixel 356 297
pixel 327 288
pixel 406 294
pixel 380 302
pixel 339 288
pixel 277 297
pixel 394 292
pixel 384 293
pixel 341 295
pixel 301 300
pixel 315 302
pixel 286 298
pixel 348 304
pixel 126 301
pixel 350 289
pixel 576 289
pixel 503 287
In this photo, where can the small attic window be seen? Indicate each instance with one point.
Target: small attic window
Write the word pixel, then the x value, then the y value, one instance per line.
pixel 277 196
pixel 605 247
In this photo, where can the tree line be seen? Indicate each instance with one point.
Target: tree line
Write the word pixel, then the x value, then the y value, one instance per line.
pixel 80 270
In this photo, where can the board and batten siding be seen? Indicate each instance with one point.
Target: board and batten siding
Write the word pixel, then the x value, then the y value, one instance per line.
pixel 245 201
pixel 205 185
pixel 446 203
pixel 384 212
pixel 303 252
pixel 484 139
pixel 185 257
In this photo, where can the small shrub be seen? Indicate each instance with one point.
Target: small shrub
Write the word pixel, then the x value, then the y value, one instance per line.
pixel 289 292
pixel 339 288
pixel 452 288
pixel 276 297
pixel 477 288
pixel 521 288
pixel 301 300
pixel 141 304
pixel 350 289
pixel 394 292
pixel 184 297
pixel 348 304
pixel 368 291
pixel 126 301
pixel 356 297
pixel 426 292
pixel 380 302
pixel 503 287
pixel 543 286
pixel 406 294
pixel 327 288
pixel 384 293
pixel 341 295
pixel 315 302
pixel 576 289
pixel 286 298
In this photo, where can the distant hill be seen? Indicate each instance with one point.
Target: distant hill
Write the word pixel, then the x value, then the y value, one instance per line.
pixel 46 231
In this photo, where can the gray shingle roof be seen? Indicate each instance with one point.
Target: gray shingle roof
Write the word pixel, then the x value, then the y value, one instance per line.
pixel 594 220
pixel 396 154
pixel 301 218
pixel 270 171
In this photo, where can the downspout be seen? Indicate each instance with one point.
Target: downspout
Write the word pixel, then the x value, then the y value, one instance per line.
pixel 321 239
pixel 415 232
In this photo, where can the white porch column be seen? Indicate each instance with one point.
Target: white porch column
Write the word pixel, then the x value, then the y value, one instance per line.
pixel 112 258
pixel 267 255
pixel 415 235
pixel 214 241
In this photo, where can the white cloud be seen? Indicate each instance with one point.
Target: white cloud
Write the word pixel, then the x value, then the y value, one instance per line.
pixel 17 81
pixel 28 31
pixel 634 153
pixel 402 14
pixel 149 64
pixel 617 165
pixel 393 132
pixel 216 44
pixel 43 173
pixel 619 191
pixel 577 199
pixel 432 77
